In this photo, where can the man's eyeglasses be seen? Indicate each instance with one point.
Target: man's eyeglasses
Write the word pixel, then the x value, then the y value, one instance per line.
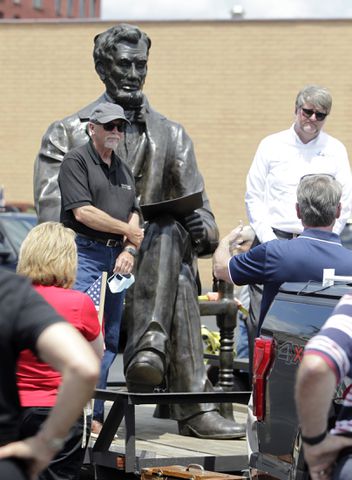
pixel 320 116
pixel 109 127
pixel 318 175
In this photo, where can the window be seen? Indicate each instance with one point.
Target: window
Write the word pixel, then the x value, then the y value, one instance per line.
pixel 58 7
pixel 82 9
pixel 92 4
pixel 69 8
pixel 16 2
pixel 38 4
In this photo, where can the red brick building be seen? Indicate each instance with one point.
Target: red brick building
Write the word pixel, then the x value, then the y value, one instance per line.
pixel 50 9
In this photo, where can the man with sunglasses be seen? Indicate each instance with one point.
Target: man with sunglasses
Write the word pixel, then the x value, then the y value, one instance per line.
pixel 99 203
pixel 279 163
pixel 284 157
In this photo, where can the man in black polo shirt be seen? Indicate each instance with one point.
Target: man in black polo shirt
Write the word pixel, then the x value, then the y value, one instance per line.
pixel 99 204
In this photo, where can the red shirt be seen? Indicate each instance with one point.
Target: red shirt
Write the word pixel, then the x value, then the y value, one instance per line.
pixel 36 381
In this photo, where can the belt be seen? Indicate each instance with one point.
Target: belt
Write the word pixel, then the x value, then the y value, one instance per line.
pixel 284 235
pixel 109 242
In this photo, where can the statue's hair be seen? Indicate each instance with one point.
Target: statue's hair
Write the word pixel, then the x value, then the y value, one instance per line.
pixel 318 197
pixel 48 255
pixel 105 42
pixel 318 96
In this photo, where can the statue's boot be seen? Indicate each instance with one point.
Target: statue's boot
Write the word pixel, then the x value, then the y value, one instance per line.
pixel 145 371
pixel 211 425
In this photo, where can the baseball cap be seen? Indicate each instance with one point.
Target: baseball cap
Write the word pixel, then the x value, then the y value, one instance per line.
pixel 106 112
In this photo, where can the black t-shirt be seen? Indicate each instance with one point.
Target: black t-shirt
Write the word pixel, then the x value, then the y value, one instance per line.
pixel 24 314
pixel 84 179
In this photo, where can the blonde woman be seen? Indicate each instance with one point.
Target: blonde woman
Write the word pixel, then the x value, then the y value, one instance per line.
pixel 48 256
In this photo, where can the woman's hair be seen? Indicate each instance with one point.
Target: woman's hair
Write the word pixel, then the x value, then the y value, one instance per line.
pixel 48 255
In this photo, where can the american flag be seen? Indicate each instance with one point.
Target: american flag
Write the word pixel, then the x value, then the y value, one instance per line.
pixel 94 291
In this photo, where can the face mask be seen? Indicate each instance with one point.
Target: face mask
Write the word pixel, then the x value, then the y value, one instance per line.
pixel 117 283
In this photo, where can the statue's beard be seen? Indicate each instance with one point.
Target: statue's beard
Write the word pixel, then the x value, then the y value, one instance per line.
pixel 127 100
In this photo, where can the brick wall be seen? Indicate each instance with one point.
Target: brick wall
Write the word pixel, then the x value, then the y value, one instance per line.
pixel 229 83
pixel 48 9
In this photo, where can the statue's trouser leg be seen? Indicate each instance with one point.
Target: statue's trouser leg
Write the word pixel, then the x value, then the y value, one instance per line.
pixel 163 314
pixel 187 370
pixel 150 304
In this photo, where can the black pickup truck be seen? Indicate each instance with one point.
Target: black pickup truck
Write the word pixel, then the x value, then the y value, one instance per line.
pixel 297 313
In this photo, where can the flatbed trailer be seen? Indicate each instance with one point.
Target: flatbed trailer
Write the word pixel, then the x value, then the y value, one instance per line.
pixel 145 441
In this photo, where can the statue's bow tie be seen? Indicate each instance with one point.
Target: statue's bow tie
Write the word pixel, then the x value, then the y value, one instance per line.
pixel 136 115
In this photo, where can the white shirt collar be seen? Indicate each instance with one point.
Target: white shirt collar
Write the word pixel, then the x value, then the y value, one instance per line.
pixel 298 141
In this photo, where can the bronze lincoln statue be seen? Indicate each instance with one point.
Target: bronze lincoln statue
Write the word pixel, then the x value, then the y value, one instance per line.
pixel 164 342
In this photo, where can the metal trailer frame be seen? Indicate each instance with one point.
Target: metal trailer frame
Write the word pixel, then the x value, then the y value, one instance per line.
pixel 225 310
pixel 128 460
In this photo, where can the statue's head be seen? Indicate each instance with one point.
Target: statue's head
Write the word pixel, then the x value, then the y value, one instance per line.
pixel 120 56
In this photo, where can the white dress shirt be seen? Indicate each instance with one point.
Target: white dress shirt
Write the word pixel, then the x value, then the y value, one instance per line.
pixel 279 163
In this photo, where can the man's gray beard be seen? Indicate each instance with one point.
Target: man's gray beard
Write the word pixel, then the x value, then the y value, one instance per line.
pixel 111 144
pixel 128 100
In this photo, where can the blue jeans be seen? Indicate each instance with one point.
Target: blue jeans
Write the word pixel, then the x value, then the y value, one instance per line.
pixel 242 340
pixel 93 259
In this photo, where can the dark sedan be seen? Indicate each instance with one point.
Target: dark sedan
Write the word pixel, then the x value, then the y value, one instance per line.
pixel 14 227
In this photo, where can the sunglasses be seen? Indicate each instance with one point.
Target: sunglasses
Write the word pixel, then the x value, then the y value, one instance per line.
pixel 320 116
pixel 318 175
pixel 109 127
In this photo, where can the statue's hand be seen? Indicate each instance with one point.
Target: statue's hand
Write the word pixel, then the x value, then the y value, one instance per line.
pixel 193 223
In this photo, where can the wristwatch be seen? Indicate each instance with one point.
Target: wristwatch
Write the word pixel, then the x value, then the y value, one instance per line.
pixel 314 440
pixel 131 250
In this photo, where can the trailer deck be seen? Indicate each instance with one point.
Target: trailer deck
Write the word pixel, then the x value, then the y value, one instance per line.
pixel 145 441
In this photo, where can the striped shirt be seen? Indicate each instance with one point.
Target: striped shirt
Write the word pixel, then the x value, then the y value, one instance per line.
pixel 334 345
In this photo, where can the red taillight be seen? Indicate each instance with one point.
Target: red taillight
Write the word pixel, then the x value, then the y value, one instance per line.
pixel 262 359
